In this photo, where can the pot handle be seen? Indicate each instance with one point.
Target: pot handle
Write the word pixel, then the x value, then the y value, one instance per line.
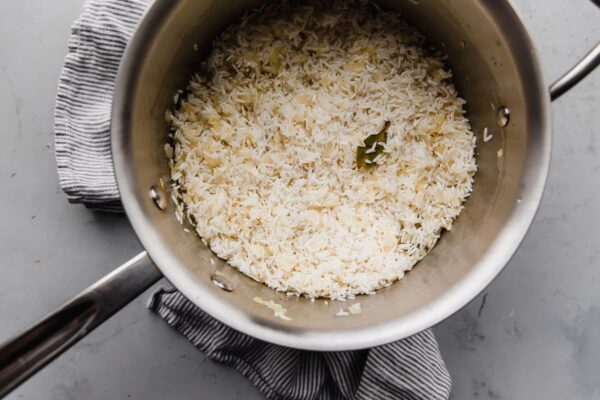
pixel 572 77
pixel 28 352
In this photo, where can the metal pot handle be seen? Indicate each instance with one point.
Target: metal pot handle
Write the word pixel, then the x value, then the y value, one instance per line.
pixel 28 352
pixel 572 77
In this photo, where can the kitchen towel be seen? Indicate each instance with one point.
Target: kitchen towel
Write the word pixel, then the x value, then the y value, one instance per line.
pixel 410 369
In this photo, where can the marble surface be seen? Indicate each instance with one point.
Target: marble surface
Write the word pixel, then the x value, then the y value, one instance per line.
pixel 537 337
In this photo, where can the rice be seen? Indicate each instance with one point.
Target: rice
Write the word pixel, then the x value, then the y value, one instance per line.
pixel 342 313
pixel 278 310
pixel 355 309
pixel 486 136
pixel 265 144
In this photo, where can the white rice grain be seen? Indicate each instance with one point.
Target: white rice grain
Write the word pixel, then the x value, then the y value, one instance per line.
pixel 486 136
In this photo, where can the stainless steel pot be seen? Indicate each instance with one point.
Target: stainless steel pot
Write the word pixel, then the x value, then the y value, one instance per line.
pixel 496 70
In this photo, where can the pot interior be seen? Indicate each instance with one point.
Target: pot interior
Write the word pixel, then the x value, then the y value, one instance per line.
pixel 493 65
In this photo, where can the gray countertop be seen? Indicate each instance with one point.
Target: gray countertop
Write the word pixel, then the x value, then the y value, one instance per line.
pixel 538 336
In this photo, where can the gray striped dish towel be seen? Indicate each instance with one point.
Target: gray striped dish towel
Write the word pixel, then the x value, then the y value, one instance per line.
pixel 410 369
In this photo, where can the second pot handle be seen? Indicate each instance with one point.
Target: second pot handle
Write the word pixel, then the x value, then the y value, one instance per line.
pixel 25 354
pixel 586 65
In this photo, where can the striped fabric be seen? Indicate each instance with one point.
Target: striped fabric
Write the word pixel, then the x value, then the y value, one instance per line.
pixel 410 369
pixel 84 99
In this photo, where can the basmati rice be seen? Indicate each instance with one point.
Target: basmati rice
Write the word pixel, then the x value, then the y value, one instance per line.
pixel 264 147
pixel 278 310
